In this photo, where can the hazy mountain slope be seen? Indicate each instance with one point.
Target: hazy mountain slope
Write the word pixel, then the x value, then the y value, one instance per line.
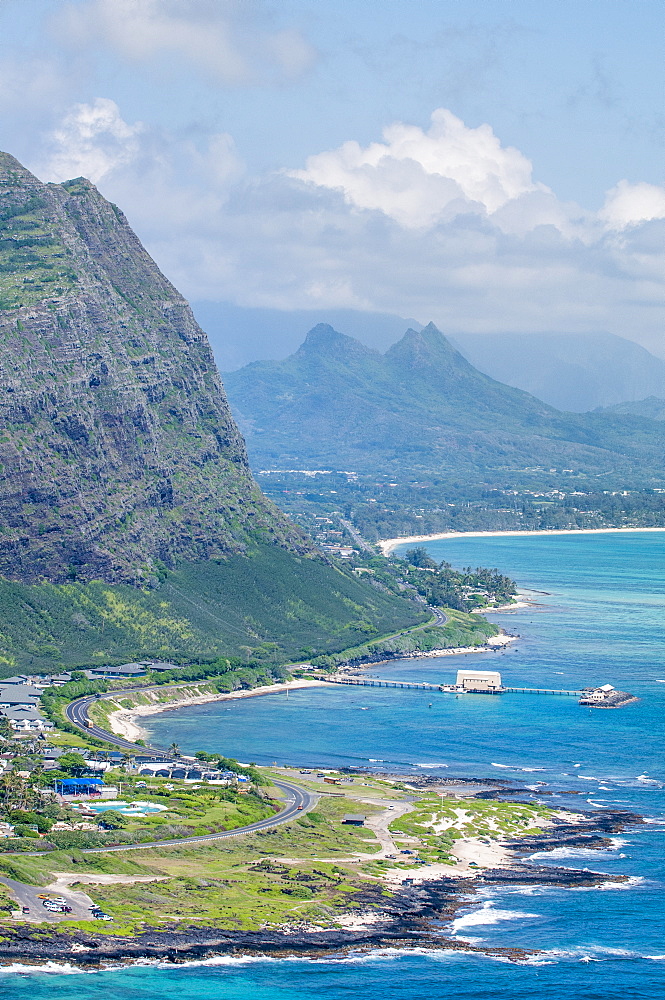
pixel 570 371
pixel 421 406
pixel 239 335
pixel 651 408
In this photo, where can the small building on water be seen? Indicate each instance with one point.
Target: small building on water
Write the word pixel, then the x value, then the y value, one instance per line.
pixel 479 681
pixel 593 696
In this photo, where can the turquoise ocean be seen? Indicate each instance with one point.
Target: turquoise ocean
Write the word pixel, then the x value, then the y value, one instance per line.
pixel 599 617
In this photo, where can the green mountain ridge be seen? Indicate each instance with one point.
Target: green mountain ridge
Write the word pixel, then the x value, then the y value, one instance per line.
pixel 130 523
pixel 118 450
pixel 651 408
pixel 420 407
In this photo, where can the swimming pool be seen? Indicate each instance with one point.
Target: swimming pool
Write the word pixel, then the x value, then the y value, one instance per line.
pixel 126 808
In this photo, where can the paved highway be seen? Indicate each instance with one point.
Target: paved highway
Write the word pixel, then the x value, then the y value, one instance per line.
pixel 297 799
pixel 77 714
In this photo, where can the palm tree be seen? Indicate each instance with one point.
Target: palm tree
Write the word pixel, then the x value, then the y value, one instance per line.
pixel 175 749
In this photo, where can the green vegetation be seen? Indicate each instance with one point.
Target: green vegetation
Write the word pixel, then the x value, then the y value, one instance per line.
pixel 461 629
pixel 410 503
pixel 313 869
pixel 437 822
pixel 268 607
pixel 268 878
pixel 443 586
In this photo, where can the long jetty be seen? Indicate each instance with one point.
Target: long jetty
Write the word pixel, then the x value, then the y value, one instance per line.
pixel 375 682
pixel 446 688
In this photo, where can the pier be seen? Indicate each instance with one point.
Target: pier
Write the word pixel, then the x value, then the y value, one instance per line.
pixel 375 682
pixel 574 694
pixel 445 688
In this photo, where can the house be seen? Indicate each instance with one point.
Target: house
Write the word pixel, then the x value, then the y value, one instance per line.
pixel 592 696
pixel 26 720
pixel 78 786
pixel 126 671
pixel 14 695
pixel 354 819
pixel 57 680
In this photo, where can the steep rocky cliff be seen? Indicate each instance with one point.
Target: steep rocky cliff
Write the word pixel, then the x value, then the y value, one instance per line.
pixel 119 455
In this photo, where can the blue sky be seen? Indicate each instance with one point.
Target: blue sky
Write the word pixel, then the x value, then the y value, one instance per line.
pixel 286 154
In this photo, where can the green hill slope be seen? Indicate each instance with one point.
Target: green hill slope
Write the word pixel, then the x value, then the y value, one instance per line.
pixel 268 605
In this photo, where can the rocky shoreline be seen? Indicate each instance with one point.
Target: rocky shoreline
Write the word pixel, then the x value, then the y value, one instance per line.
pixel 411 917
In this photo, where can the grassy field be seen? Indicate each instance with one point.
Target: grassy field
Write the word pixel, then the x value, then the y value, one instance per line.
pixel 314 869
pixel 437 822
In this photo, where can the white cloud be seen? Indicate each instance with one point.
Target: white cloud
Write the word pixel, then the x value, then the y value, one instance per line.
pixel 627 204
pixel 92 141
pixel 421 178
pixel 227 40
pixel 162 176
pixel 498 252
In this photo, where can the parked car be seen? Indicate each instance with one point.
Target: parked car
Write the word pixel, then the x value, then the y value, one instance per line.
pixel 25 909
pixel 102 916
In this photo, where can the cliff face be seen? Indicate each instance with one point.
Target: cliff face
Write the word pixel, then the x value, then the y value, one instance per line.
pixel 118 451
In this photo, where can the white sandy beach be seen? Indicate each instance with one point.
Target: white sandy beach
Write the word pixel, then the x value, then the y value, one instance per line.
pixel 388 544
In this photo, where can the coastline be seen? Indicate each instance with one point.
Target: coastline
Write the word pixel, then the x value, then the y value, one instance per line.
pixel 410 917
pixel 388 544
pixel 123 721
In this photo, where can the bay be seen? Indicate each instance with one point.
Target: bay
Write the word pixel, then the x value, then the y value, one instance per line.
pixel 600 620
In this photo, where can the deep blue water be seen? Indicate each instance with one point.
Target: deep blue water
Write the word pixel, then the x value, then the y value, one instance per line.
pixel 602 619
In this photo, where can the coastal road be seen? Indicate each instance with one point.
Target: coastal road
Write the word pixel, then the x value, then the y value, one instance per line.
pixel 298 800
pixel 77 713
pixel 441 618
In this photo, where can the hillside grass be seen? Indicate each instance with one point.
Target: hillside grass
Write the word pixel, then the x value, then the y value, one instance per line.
pixel 270 606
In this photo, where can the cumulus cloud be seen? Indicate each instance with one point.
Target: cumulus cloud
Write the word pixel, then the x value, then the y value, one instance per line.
pixel 420 178
pixel 228 40
pixel 498 251
pixel 92 141
pixel 628 203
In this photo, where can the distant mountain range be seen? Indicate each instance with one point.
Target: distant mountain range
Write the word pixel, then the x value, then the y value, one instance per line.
pixel 652 408
pixel 570 371
pixel 239 335
pixel 421 406
pixel 577 372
